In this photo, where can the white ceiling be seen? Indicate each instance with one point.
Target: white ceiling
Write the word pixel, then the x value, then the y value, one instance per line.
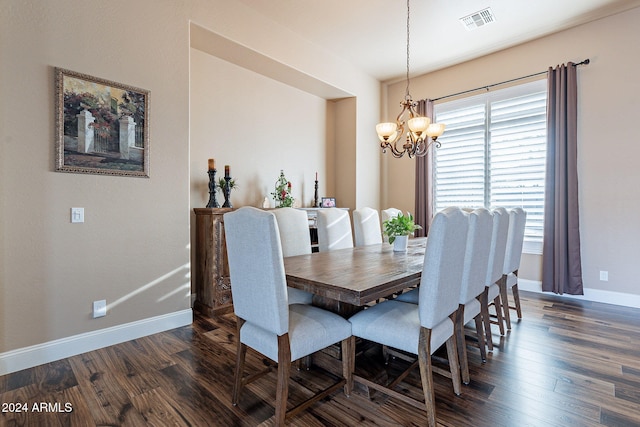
pixel 371 34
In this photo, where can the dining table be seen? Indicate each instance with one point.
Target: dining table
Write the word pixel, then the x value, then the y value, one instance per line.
pixel 346 280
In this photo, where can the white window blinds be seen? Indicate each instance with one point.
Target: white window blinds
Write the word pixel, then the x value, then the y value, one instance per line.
pixel 493 154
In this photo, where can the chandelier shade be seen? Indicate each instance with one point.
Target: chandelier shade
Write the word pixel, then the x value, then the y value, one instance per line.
pixel 421 133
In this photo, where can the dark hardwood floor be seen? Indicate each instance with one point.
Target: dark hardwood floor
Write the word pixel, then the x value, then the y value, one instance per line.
pixel 567 363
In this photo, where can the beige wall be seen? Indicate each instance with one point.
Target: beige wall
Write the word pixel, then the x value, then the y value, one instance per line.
pixel 258 126
pixel 608 106
pixel 134 248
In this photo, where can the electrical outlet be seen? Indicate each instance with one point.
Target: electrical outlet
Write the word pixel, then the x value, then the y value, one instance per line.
pixel 99 308
pixel 604 276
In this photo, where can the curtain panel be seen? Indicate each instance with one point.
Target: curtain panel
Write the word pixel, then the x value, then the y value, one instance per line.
pixel 424 190
pixel 561 261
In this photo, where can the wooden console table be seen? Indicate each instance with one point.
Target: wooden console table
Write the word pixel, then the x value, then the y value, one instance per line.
pixel 212 282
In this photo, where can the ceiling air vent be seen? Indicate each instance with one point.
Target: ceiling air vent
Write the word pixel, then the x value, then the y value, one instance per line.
pixel 478 19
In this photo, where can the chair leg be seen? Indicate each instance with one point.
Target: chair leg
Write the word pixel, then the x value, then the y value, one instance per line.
pixel 284 371
pixel 480 334
pixel 241 353
pixel 484 304
pixel 516 298
pixel 462 347
pixel 424 360
pixel 498 305
pixel 502 283
pixel 348 363
pixel 454 368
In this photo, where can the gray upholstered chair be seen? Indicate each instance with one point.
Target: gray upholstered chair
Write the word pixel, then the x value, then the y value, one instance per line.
pixel 494 273
pixel 390 213
pixel 334 229
pixel 513 254
pixel 387 214
pixel 293 226
pixel 366 226
pixel 421 329
pixel 265 321
pixel 474 273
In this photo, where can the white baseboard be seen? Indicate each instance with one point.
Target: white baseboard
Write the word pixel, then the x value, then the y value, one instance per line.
pixel 595 295
pixel 28 357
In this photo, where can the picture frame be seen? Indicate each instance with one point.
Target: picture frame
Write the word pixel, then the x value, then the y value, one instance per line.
pixel 328 202
pixel 102 127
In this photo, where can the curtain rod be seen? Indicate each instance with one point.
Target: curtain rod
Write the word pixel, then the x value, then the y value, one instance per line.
pixel 585 62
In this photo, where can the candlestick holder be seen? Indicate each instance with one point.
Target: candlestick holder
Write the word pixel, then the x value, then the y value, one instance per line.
pixel 315 196
pixel 213 203
pixel 227 193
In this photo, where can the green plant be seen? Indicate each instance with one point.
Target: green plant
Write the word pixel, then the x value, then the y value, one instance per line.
pixel 399 226
pixel 222 183
pixel 282 195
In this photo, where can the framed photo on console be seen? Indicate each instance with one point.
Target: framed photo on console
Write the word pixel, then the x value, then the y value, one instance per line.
pixel 102 127
pixel 328 202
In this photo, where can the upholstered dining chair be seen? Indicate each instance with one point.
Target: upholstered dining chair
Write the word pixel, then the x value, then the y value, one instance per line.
pixel 421 329
pixel 334 229
pixel 265 321
pixel 513 254
pixel 388 214
pixel 366 226
pixel 494 273
pixel 476 262
pixel 293 226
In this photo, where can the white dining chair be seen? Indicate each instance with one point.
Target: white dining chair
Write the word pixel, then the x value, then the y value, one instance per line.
pixel 422 328
pixel 366 226
pixel 474 273
pixel 334 229
pixel 293 226
pixel 265 320
pixel 494 273
pixel 513 254
pixel 390 213
pixel 386 215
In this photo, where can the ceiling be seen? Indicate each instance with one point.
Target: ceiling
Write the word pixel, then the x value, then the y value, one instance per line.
pixel 371 34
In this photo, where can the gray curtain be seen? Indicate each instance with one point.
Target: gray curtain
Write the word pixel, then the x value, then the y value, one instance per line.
pixel 561 263
pixel 424 192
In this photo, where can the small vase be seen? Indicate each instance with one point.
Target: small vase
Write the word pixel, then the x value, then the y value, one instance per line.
pixel 400 243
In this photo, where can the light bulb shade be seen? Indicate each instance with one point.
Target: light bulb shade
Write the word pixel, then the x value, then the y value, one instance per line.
pixel 386 130
pixel 435 129
pixel 419 124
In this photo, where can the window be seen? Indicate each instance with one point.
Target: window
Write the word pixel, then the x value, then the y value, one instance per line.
pixel 493 154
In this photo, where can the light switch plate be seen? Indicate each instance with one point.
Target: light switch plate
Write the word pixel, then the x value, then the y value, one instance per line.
pixel 77 215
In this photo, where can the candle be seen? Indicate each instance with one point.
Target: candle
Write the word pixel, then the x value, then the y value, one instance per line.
pixel 316 176
pixel 212 164
pixel 227 171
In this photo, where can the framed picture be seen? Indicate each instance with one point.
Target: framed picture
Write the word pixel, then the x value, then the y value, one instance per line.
pixel 102 127
pixel 328 202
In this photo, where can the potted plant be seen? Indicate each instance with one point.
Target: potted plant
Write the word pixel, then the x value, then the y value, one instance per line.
pixel 398 229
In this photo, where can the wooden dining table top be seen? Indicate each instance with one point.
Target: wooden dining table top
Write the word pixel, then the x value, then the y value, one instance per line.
pixel 359 275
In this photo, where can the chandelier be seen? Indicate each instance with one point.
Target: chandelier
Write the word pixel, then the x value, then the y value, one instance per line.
pixel 421 134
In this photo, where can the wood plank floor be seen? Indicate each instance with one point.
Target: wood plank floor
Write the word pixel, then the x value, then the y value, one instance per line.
pixel 567 363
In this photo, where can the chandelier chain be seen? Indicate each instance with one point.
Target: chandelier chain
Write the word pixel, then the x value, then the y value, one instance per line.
pixel 408 14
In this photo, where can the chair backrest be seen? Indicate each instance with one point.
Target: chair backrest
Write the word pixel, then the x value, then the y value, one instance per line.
pixel 366 226
pixel 515 240
pixel 498 245
pixel 256 269
pixel 441 280
pixel 476 258
pixel 293 225
pixel 334 229
pixel 390 213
